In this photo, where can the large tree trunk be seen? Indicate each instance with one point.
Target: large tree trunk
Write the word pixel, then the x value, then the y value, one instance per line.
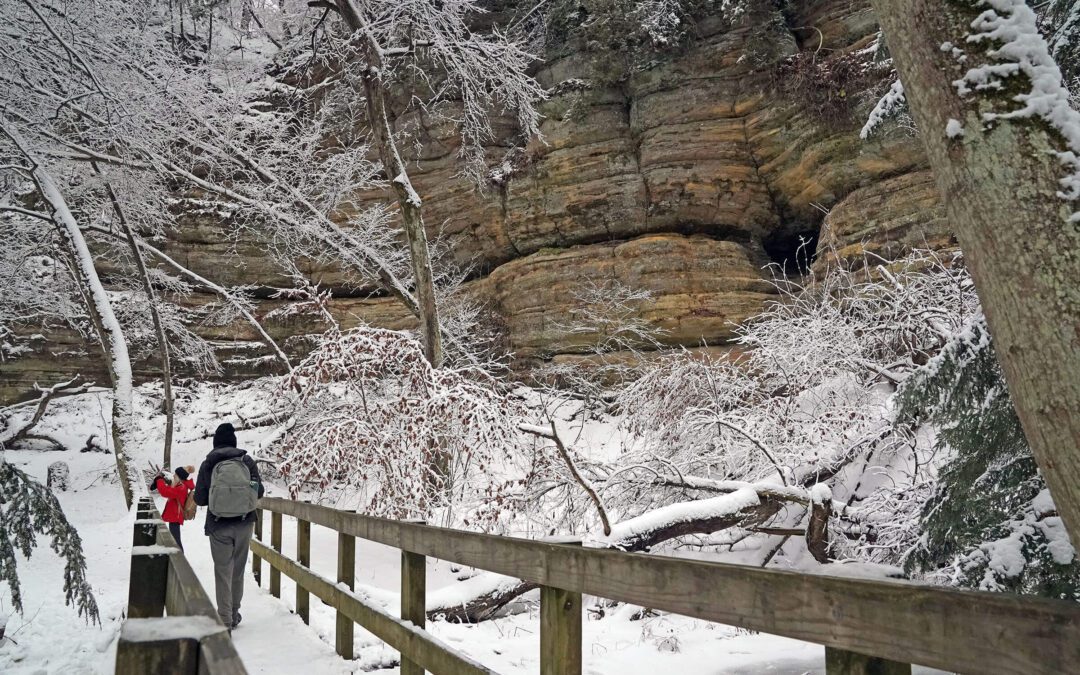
pixel 112 337
pixel 1000 181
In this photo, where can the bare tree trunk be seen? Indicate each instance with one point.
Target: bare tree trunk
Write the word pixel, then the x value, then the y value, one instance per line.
pixel 97 305
pixel 411 218
pixel 408 200
pixel 1000 181
pixel 151 297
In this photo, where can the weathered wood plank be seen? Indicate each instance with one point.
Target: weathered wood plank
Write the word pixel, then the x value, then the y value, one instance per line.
pixel 413 601
pixel 145 532
pixel 176 645
pixel 256 561
pixel 560 626
pixel 964 631
pixel 560 631
pixel 840 662
pixel 303 556
pixel 424 649
pixel 184 594
pixel 275 541
pixel 179 656
pixel 147 582
pixel 346 574
pixel 217 656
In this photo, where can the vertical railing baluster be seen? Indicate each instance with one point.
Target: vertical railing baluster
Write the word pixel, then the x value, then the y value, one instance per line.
pixel 256 561
pixel 346 574
pixel 560 627
pixel 413 598
pixel 275 543
pixel 303 556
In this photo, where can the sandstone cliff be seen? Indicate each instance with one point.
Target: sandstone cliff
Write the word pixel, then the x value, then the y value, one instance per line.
pixel 685 178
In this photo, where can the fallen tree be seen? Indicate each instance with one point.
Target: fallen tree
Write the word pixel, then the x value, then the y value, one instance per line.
pixel 10 437
pixel 482 596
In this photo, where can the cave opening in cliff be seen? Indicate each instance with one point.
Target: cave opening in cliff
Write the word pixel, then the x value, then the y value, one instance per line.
pixel 793 251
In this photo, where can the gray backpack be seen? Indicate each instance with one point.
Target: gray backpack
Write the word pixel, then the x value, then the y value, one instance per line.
pixel 232 491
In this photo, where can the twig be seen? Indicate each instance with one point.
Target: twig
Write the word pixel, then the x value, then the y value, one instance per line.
pixel 759 446
pixel 553 435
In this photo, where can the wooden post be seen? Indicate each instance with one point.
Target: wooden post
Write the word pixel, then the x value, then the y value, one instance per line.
pixel 560 626
pixel 413 598
pixel 840 662
pixel 817 530
pixel 303 556
pixel 256 561
pixel 145 533
pixel 346 574
pixel 147 584
pixel 172 655
pixel 275 543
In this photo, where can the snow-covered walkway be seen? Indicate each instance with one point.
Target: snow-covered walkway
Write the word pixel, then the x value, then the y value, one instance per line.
pixel 270 639
pixel 51 638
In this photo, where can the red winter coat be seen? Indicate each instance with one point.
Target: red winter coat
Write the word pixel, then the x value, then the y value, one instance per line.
pixel 175 496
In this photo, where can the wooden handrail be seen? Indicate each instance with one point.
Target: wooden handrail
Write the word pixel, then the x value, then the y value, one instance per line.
pixel 191 638
pixel 426 650
pixel 955 630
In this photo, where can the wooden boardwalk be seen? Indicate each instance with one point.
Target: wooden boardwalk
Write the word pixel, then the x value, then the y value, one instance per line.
pixel 866 626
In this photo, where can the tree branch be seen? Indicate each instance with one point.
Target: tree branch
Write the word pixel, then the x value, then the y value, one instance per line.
pixel 68 388
pixel 553 435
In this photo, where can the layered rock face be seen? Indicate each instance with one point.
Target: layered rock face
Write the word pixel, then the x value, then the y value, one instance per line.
pixel 684 179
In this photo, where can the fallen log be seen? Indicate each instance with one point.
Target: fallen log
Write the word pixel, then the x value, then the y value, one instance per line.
pixel 484 595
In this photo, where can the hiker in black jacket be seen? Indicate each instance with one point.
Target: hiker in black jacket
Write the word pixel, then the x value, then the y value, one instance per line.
pixel 230 518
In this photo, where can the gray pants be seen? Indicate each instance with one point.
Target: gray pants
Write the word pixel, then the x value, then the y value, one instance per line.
pixel 229 548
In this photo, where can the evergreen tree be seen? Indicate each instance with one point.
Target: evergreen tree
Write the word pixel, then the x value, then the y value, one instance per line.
pixel 1061 24
pixel 27 509
pixel 990 524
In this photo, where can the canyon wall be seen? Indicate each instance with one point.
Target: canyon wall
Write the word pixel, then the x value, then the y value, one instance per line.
pixel 686 178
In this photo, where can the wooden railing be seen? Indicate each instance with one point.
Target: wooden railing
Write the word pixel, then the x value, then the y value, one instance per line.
pixel 866 626
pixel 190 639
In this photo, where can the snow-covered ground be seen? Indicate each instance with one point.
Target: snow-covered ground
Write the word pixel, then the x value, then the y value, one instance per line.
pixel 50 638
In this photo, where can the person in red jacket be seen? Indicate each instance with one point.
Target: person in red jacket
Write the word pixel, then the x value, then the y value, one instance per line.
pixel 175 493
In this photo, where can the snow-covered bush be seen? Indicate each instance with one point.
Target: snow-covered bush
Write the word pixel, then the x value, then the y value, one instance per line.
pixel 375 417
pixel 809 401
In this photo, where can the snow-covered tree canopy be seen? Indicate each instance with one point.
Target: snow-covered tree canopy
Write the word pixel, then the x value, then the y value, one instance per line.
pixel 103 83
pixel 373 416
pixel 448 72
pixel 1061 25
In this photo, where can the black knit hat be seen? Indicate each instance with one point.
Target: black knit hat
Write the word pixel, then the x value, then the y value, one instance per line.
pixel 181 472
pixel 225 436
